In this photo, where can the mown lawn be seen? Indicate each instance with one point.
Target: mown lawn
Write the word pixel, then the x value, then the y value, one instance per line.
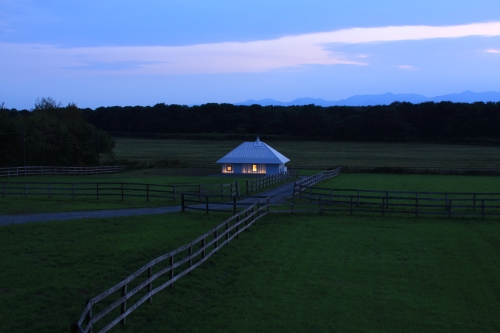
pixel 318 153
pixel 48 270
pixel 312 273
pixel 422 183
pixel 298 273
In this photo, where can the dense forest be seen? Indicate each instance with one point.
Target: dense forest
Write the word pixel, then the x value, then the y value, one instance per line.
pixel 399 122
pixel 50 135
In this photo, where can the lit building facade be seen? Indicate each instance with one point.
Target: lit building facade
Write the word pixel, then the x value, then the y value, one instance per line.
pixel 253 158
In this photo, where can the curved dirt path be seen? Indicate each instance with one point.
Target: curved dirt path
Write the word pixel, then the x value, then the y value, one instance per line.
pixel 285 190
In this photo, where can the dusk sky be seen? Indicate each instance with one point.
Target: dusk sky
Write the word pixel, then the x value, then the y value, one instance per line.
pixel 105 53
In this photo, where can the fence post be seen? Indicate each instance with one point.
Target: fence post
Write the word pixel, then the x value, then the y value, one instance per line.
pixel 203 247
pixel 150 285
pixel 88 317
pixel 190 258
pixel 268 204
pixel 124 304
pixel 182 202
pixel 172 269
pixel 206 202
pixel 416 205
pixel 237 225
pixel 482 208
pixel 216 243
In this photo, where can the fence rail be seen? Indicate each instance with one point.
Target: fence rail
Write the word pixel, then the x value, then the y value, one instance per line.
pixel 310 181
pixel 263 182
pixel 417 203
pixel 179 262
pixel 114 190
pixel 54 170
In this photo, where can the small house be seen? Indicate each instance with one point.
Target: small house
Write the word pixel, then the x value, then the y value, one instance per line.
pixel 253 158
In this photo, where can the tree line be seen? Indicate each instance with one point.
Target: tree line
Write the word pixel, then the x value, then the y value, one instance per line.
pixel 398 122
pixel 50 134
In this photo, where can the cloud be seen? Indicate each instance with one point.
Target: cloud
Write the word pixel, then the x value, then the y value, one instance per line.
pixel 407 67
pixel 230 57
pixel 493 51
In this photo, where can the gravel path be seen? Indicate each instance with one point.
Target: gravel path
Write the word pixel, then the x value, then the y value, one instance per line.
pixel 285 190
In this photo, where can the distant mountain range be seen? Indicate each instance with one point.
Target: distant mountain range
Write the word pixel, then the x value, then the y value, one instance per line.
pixel 384 99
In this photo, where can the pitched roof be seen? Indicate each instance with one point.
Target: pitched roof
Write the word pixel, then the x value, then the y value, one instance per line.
pixel 254 152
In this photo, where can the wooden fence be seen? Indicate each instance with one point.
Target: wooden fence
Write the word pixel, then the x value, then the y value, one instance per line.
pixel 310 181
pixel 53 170
pixel 406 170
pixel 263 182
pixel 450 204
pixel 116 300
pixel 113 190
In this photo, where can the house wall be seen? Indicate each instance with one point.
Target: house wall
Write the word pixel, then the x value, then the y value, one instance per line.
pixel 264 169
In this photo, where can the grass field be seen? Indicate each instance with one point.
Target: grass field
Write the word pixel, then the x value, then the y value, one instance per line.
pixel 420 183
pixel 289 273
pixel 42 204
pixel 50 269
pixel 314 153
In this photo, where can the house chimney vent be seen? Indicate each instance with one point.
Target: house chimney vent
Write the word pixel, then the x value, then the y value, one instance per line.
pixel 257 142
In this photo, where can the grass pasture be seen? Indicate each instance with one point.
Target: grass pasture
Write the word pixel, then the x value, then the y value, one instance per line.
pixel 317 153
pixel 50 269
pixel 43 204
pixel 413 182
pixel 289 273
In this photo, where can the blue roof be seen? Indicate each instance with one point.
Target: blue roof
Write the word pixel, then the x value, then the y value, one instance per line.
pixel 254 152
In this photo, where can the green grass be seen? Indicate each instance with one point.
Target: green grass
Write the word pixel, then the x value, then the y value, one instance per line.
pixel 289 273
pixel 43 204
pixel 339 274
pixel 49 270
pixel 421 183
pixel 314 153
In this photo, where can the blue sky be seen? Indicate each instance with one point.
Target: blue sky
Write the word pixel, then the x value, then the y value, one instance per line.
pixel 103 53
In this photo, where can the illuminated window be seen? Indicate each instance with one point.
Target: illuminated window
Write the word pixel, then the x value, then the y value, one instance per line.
pixel 229 168
pixel 254 167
